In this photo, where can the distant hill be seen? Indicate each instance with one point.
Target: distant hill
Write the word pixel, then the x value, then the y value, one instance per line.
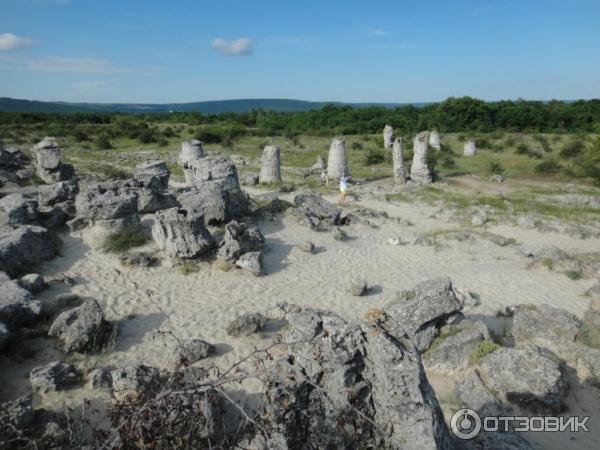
pixel 211 107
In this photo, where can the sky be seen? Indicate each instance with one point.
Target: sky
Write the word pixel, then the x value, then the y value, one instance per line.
pixel 399 51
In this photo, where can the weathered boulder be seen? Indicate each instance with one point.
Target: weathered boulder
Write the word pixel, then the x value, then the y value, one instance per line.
pixel 420 313
pixel 525 377
pixel 19 209
pixel 216 170
pixel 190 151
pixel 17 306
pixel 18 413
pixel 337 163
pixel 33 282
pixel 270 164
pixel 479 218
pixel 420 173
pixel 319 166
pixel 132 379
pixel 181 234
pixel 100 378
pixel 152 197
pixel 545 326
pixel 55 376
pixel 22 248
pixel 63 191
pixel 11 158
pixel 246 324
pixel 388 136
pixel 317 212
pixel 48 165
pixel 434 140
pixel 212 202
pixel 307 247
pixel 82 329
pixel 193 350
pixel 154 169
pixel 138 259
pixel 343 386
pixel 455 344
pixel 108 200
pixel 473 394
pixel 248 179
pixel 358 287
pixel 252 262
pixel 470 149
pixel 398 161
pixel 238 239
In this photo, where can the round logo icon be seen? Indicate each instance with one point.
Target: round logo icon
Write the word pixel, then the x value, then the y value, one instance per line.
pixel 465 423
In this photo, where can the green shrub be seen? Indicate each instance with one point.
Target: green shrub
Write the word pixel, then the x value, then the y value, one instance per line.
pixel 447 160
pixel 125 239
pixel 574 274
pixel 572 149
pixel 548 166
pixel 103 142
pixel 494 167
pixel 356 146
pixel 374 157
pixel 483 349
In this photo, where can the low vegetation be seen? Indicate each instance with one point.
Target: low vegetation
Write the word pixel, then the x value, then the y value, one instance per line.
pixel 126 239
pixel 483 349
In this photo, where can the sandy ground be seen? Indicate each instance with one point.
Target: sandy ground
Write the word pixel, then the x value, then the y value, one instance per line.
pixel 146 300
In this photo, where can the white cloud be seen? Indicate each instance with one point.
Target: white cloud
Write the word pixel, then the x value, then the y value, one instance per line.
pixel 379 32
pixel 65 64
pixel 9 41
pixel 241 46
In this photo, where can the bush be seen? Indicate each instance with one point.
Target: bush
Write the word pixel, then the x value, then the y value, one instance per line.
pixel 495 168
pixel 572 149
pixel 80 135
pixel 548 166
pixel 127 238
pixel 447 160
pixel 103 142
pixel 374 157
pixel 356 146
pixel 147 136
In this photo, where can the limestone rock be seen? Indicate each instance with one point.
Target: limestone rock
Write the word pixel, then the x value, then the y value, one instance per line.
pixel 100 379
pixel 473 394
pixel 33 282
pixel 238 239
pixel 154 169
pixel 63 191
pixel 19 209
pixel 139 259
pixel 17 306
pixel 307 247
pixel 470 149
pixel 319 166
pixel 358 287
pixel 4 336
pixel 193 350
pixel 181 234
pixel 55 376
pixel 317 212
pixel 108 200
pixel 434 140
pixel 252 262
pixel 132 379
pixel 398 161
pixel 48 165
pixel 214 203
pixel 420 173
pixel 388 136
pixel 190 151
pixel 213 170
pixel 246 324
pixel 82 329
pixel 337 164
pixel 22 248
pixel 248 179
pixel 270 169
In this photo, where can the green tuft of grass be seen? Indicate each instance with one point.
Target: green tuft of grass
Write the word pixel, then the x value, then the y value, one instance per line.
pixel 188 267
pixel 483 349
pixel 574 274
pixel 223 266
pixel 125 239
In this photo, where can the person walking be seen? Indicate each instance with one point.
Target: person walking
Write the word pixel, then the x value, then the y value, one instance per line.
pixel 343 188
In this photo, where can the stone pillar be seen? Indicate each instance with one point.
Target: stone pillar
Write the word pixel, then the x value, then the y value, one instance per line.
pixel 270 165
pixel 337 163
pixel 434 140
pixel 154 169
pixel 398 158
pixel 388 136
pixel 190 151
pixel 48 165
pixel 419 171
pixel 470 148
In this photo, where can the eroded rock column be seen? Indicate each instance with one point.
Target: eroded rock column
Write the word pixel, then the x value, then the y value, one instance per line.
pixel 398 159
pixel 388 136
pixel 434 140
pixel 337 163
pixel 470 148
pixel 190 151
pixel 270 169
pixel 420 172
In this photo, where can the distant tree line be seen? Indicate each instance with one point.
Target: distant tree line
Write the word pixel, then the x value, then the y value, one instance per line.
pixel 463 114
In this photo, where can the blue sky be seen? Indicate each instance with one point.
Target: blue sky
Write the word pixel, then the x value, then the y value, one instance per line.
pixel 354 51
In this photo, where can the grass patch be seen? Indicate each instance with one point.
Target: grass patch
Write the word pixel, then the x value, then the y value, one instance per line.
pixel 574 274
pixel 189 267
pixel 483 349
pixel 223 266
pixel 126 239
pixel 589 333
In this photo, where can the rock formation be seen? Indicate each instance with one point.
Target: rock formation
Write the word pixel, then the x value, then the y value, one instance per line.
pixel 181 234
pixel 470 149
pixel 190 151
pixel 434 140
pixel 319 166
pixel 154 169
pixel 337 164
pixel 48 165
pixel 398 160
pixel 388 136
pixel 420 172
pixel 270 164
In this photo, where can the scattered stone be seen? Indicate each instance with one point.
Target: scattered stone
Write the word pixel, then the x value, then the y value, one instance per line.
pixel 154 169
pixel 181 234
pixel 420 313
pixel 33 282
pixel 238 239
pixel 525 377
pixel 270 170
pixel 133 379
pixel 451 350
pixel 17 306
pixel 420 173
pixel 19 209
pixel 473 394
pixel 319 166
pixel 139 259
pixel 252 262
pixel 526 222
pixel 358 288
pixel 316 211
pixel 388 136
pixel 497 178
pixel 246 324
pixel 307 247
pixel 194 350
pixel 248 179
pixel 82 329
pixel 100 379
pixel 55 376
pixel 479 218
pixel 470 149
pixel 18 413
pixel 63 191
pixel 336 368
pixel 337 164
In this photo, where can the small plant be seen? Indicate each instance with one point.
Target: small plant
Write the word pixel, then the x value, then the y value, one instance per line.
pixel 589 334
pixel 223 266
pixel 188 267
pixel 548 263
pixel 572 149
pixel 483 349
pixel 548 166
pixel 103 142
pixel 356 146
pixel 574 274
pixel 494 167
pixel 125 239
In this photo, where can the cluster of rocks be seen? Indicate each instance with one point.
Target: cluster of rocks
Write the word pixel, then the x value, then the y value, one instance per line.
pixel 243 246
